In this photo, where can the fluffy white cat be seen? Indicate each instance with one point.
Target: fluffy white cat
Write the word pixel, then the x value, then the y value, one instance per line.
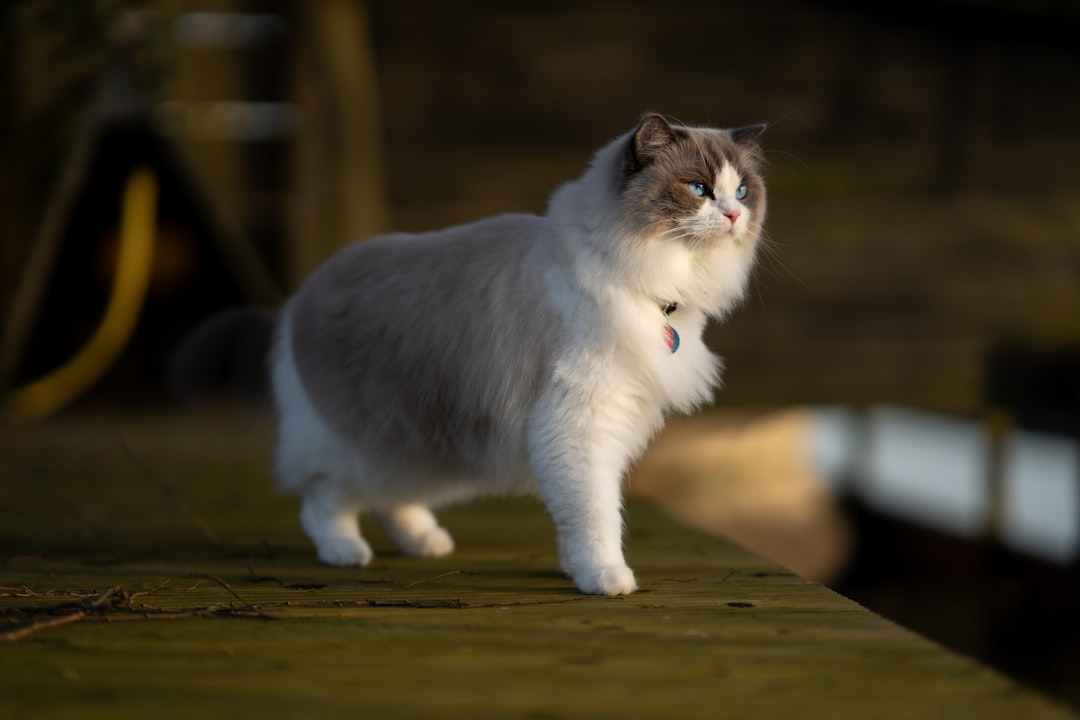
pixel 519 353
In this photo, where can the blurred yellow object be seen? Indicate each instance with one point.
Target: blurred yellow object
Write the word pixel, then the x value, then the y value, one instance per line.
pixel 134 263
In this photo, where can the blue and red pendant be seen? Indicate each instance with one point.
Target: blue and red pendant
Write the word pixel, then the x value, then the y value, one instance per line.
pixel 671 335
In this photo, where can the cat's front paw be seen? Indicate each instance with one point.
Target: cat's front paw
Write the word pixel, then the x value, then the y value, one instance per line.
pixel 345 552
pixel 606 580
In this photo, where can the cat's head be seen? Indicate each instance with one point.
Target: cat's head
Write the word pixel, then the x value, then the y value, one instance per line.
pixel 696 186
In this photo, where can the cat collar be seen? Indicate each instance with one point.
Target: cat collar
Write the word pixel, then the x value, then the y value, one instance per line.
pixel 671 335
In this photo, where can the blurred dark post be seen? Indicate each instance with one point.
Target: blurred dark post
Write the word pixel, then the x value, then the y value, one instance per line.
pixel 1038 387
pixel 339 196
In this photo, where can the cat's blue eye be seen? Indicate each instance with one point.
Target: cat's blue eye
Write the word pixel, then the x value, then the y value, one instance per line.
pixel 740 192
pixel 698 189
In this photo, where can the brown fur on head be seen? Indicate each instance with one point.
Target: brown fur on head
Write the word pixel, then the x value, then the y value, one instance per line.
pixel 662 159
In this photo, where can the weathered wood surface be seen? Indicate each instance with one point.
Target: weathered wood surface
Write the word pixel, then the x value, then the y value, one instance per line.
pixel 237 619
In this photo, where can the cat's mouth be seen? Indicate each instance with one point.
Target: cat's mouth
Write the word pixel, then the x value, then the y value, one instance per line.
pixel 707 235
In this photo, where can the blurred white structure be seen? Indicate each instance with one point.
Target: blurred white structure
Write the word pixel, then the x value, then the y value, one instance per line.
pixel 938 472
pixel 1041 494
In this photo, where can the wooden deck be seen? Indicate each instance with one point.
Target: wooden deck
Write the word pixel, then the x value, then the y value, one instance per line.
pixel 188 590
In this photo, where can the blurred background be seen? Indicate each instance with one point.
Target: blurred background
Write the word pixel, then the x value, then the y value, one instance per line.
pixel 902 399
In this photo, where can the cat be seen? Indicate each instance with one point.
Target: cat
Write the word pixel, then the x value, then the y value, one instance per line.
pixel 520 353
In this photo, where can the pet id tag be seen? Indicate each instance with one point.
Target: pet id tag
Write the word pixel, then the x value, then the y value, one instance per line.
pixel 671 335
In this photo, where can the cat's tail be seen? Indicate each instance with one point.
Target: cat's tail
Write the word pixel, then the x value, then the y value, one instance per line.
pixel 226 356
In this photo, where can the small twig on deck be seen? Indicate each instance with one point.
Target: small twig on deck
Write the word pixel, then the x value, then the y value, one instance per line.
pixel 452 603
pixel 252 577
pixel 206 530
pixel 228 587
pixel 15 636
pixel 247 605
pixel 265 547
pixel 116 604
pixel 141 593
pixel 22 633
pixel 129 597
pixel 25 592
pixel 455 603
pixel 433 577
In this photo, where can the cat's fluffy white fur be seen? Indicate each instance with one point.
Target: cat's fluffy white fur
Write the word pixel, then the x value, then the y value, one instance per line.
pixel 517 354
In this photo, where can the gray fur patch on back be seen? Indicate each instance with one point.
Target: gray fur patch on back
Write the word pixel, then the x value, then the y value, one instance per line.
pixel 427 347
pixel 432 348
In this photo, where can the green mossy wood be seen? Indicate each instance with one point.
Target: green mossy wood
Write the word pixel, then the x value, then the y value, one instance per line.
pixel 148 569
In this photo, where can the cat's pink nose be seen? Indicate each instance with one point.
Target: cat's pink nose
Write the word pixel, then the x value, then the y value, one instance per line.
pixel 731 215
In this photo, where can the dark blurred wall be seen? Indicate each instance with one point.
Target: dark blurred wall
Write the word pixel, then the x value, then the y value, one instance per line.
pixel 925 199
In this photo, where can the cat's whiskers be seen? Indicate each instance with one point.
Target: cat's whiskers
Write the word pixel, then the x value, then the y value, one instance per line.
pixel 770 252
pixel 695 238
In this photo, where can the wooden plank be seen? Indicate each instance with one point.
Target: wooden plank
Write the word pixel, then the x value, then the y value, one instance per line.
pixel 89 506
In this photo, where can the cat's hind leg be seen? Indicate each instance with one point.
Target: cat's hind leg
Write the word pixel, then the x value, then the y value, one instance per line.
pixel 332 523
pixel 311 461
pixel 414 529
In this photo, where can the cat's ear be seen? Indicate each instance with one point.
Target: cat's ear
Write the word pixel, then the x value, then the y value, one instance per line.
pixel 748 134
pixel 652 137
